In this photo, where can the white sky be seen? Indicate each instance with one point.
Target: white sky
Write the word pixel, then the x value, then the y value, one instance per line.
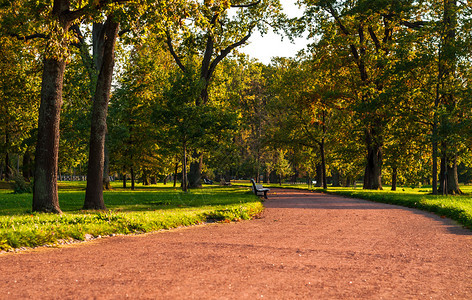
pixel 265 47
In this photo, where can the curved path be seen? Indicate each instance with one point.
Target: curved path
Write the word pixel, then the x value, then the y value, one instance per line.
pixel 304 246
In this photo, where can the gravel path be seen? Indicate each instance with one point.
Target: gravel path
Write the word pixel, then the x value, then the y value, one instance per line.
pixel 304 246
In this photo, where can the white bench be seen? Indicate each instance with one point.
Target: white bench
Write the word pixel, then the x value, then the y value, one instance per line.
pixel 258 189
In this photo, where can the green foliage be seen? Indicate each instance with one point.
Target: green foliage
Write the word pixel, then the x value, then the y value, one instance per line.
pixel 20 185
pixel 143 210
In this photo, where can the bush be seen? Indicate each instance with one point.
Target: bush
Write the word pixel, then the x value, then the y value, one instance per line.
pixel 20 186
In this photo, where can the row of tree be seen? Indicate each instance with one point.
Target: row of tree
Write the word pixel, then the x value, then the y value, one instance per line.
pixel 382 92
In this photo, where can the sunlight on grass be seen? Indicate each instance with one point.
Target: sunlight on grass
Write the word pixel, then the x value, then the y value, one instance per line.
pixel 142 210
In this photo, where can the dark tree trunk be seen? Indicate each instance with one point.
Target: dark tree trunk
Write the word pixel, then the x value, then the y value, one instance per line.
pixel 348 181
pixel 195 173
pixel 184 169
pixel 449 180
pixel 443 188
pixel 45 198
pixel 452 178
pixel 8 169
pixel 373 169
pixel 319 175
pixel 336 178
pixel 94 191
pixel 394 178
pixel 175 173
pixel 323 165
pixel 154 180
pixel 132 179
pixel 106 169
pixel 124 181
pixel 27 161
pixel 145 177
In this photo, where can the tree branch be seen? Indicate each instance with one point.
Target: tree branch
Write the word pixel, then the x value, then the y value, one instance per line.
pixel 28 37
pixel 246 5
pixel 172 52
pixel 413 25
pixel 375 39
pixel 226 51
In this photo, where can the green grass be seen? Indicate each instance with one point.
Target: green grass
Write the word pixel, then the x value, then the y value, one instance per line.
pixel 144 210
pixel 458 207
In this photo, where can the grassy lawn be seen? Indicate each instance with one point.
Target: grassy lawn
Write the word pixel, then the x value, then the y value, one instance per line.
pixel 145 209
pixel 458 208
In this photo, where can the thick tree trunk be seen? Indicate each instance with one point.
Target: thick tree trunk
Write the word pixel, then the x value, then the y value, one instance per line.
pixel 124 181
pixel 449 180
pixel 394 178
pixel 336 178
pixel 373 168
pixel 195 173
pixel 94 191
pixel 45 197
pixel 452 178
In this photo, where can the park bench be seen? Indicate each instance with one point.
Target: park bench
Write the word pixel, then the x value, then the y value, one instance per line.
pixel 258 189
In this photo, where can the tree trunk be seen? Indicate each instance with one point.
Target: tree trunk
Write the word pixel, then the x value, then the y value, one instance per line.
pixel 154 180
pixel 449 182
pixel 27 173
pixel 373 168
pixel 145 177
pixel 8 169
pixel 348 181
pixel 453 179
pixel 323 164
pixel 175 173
pixel 195 173
pixel 184 169
pixel 132 179
pixel 124 181
pixel 319 175
pixel 336 178
pixel 394 178
pixel 94 190
pixel 106 168
pixel 45 198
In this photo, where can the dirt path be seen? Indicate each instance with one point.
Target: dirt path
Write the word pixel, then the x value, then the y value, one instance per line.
pixel 305 246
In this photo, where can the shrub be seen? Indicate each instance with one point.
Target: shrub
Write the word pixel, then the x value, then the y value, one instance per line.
pixel 20 186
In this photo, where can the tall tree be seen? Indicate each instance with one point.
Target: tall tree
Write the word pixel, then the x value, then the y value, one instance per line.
pixel 106 39
pixel 213 33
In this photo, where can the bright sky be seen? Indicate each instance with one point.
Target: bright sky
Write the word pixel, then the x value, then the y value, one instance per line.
pixel 265 47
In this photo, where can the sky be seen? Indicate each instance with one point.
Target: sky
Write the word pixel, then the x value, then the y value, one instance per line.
pixel 265 47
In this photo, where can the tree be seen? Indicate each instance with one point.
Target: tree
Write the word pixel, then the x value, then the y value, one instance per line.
pixel 213 34
pixel 55 20
pixel 106 38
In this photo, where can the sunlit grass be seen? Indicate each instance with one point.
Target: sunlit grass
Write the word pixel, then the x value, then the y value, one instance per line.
pixel 458 207
pixel 143 210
